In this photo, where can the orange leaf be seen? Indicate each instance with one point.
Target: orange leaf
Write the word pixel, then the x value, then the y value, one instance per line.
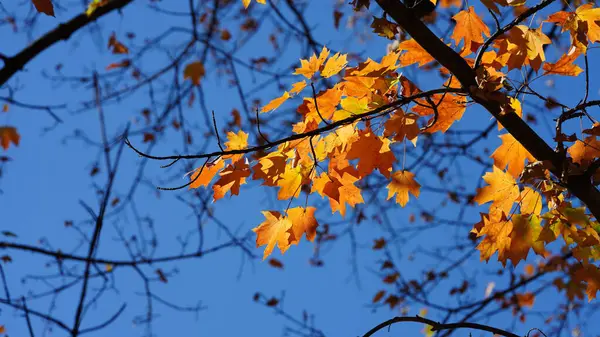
pixel 402 125
pixel 298 87
pixel 275 263
pixel 273 231
pixel 372 153
pixel 122 64
pixel 564 66
pixel 450 109
pixel 402 183
pixel 512 154
pixel 117 47
pixel 497 236
pixel 194 71
pixel 303 221
pixel 44 6
pixel 469 27
pixel 232 177
pixel 415 53
pixel 585 151
pixel 502 190
pixel 275 103
pixel 8 134
pixel 207 173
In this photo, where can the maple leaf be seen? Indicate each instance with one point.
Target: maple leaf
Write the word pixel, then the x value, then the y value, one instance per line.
pixel 590 274
pixel 339 189
pixel 270 167
pixel 204 175
pixel 512 154
pixel 525 46
pixel 334 65
pixel 530 201
pixel 524 236
pixel 327 103
pixel 194 71
pixel 503 191
pixel 9 134
pixel 246 3
pixel 308 68
pixel 273 231
pixel 116 45
pixel 402 125
pixel 372 153
pixel 236 141
pixel 469 27
pixel 276 102
pixel 415 53
pixel 303 222
pixel 298 87
pixel 44 6
pixel 290 182
pixel 231 178
pixel 497 236
pixel 402 183
pixel 564 66
pixel 581 24
pixel 383 27
pixel 585 151
pixel 450 109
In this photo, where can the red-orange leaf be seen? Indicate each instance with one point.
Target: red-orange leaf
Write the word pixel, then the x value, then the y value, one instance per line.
pixel 44 6
pixel 8 134
pixel 232 177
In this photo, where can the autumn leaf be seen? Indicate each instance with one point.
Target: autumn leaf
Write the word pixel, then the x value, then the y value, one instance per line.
pixel 298 87
pixel 497 236
pixel 204 175
pixel 402 125
pixel 524 46
pixel 231 178
pixel 275 103
pixel 512 154
pixel 194 71
pixel 524 236
pixel 44 6
pixel 470 28
pixel 450 108
pixel 236 141
pixel 402 183
pixel 502 191
pixel 334 65
pixel 530 201
pixel 581 24
pixel 309 67
pixel 275 263
pixel 273 231
pixel 247 2
pixel 585 151
pixel 372 153
pixel 303 222
pixel 8 134
pixel 414 54
pixel 116 46
pixel 564 66
pixel 384 28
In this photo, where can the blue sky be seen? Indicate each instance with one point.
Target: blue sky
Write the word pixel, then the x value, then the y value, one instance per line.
pixel 49 175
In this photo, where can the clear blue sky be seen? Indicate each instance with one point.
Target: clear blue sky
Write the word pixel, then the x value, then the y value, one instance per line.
pixel 49 175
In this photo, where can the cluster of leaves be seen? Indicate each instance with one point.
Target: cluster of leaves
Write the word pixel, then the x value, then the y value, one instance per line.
pixel 346 131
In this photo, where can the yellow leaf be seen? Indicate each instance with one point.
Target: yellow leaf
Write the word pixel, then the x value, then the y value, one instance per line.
pixel 512 154
pixel 334 65
pixel 503 191
pixel 94 5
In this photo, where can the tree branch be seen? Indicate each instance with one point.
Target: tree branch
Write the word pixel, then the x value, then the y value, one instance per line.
pixel 578 185
pixel 62 32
